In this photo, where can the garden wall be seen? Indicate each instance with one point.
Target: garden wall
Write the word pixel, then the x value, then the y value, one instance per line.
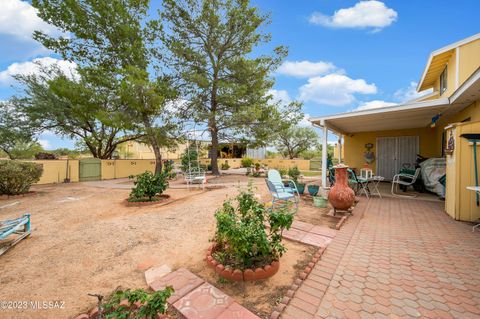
pixel 55 171
pixel 303 165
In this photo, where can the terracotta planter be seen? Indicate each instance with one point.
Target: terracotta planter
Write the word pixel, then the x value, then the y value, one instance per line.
pixel 241 275
pixel 341 196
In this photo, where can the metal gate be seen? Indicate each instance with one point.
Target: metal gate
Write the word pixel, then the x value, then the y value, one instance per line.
pixel 393 153
pixel 90 169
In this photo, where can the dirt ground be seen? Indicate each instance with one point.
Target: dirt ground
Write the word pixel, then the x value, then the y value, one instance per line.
pixel 85 240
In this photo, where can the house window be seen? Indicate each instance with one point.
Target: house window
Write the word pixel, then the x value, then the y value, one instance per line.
pixel 443 81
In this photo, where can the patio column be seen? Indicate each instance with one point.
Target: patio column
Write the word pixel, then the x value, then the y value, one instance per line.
pixel 324 153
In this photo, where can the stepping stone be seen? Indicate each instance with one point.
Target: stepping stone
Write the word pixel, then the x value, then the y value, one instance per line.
pixel 235 311
pixel 182 282
pixel 302 225
pixel 324 231
pixel 155 273
pixel 316 240
pixel 205 301
pixel 294 234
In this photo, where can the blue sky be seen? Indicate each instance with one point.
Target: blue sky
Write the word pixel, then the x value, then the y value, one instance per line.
pixel 342 54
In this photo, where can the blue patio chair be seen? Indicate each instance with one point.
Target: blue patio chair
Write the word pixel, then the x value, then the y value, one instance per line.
pixel 281 196
pixel 274 177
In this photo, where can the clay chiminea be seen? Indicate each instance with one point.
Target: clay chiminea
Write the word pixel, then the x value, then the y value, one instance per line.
pixel 341 196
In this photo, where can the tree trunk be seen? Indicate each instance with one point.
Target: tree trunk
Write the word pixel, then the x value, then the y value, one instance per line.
pixel 213 152
pixel 158 155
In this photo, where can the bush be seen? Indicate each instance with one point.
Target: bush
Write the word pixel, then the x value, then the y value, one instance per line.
pixel 283 171
pixel 294 174
pixel 17 177
pixel 147 185
pixel 247 162
pixel 190 156
pixel 168 169
pixel 151 304
pixel 45 156
pixel 225 166
pixel 242 240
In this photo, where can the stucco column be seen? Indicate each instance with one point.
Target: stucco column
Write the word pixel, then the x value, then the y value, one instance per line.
pixel 324 153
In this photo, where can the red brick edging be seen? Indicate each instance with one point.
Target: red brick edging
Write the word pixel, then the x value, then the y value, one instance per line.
pixel 239 275
pixel 296 284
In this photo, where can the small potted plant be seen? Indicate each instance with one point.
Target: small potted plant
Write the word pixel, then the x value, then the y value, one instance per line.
pixel 294 174
pixel 244 248
pixel 313 189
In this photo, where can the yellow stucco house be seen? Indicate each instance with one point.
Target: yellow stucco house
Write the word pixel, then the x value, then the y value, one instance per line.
pixel 397 133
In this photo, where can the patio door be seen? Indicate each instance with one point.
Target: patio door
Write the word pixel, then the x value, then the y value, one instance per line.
pixel 394 153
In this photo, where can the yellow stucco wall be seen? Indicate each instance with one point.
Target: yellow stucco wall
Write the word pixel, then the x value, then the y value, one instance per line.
pixel 460 203
pixel 354 145
pixel 125 168
pixel 271 163
pixel 469 60
pixel 55 171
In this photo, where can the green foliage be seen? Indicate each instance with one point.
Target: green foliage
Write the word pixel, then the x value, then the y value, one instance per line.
pixel 16 135
pixel 168 169
pixel 225 165
pixel 17 177
pixel 241 236
pixel 294 140
pixel 247 162
pixel 210 45
pixel 119 85
pixel 147 185
pixel 294 173
pixel 151 304
pixel 283 171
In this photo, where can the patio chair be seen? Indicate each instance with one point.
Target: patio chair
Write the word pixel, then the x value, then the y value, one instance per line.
pixel 274 177
pixel 195 175
pixel 19 226
pixel 404 180
pixel 281 196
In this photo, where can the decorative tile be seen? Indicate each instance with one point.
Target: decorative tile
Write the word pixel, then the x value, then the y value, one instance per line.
pixel 324 231
pixel 182 281
pixel 235 311
pixel 205 301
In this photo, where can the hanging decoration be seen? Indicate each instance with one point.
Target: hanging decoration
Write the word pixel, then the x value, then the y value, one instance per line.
pixel 369 156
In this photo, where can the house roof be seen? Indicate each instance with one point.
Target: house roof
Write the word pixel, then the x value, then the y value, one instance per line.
pixel 404 116
pixel 437 61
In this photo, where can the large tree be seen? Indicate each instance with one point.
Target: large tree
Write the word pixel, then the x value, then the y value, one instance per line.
pixel 16 135
pixel 210 44
pixel 114 41
pixel 294 140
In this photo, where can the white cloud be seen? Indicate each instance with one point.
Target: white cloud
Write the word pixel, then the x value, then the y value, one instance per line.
pixel 410 93
pixel 20 19
pixel 33 67
pixel 45 144
pixel 280 96
pixel 305 122
pixel 375 104
pixel 364 14
pixel 305 69
pixel 334 89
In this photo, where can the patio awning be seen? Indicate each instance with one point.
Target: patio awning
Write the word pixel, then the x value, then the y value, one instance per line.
pixel 405 116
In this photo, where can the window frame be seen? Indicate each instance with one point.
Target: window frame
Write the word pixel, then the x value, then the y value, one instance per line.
pixel 443 80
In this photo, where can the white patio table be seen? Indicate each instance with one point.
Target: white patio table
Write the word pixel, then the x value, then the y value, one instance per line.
pixel 475 189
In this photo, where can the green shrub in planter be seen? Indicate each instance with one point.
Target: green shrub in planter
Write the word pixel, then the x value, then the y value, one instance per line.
pixel 242 240
pixel 17 177
pixel 246 162
pixel 294 173
pixel 147 185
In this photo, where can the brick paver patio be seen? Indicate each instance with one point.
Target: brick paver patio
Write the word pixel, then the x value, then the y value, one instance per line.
pixel 395 258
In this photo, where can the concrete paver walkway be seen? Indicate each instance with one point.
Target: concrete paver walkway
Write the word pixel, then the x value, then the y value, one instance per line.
pixel 395 258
